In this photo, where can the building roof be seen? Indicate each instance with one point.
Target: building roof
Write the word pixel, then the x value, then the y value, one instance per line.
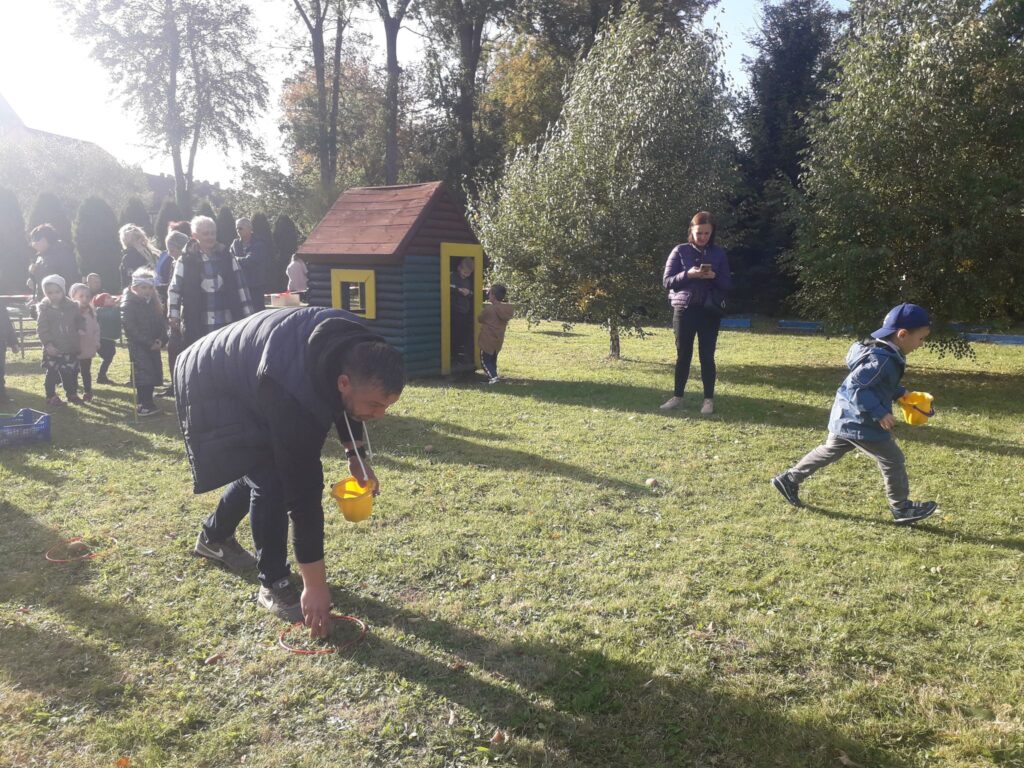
pixel 372 221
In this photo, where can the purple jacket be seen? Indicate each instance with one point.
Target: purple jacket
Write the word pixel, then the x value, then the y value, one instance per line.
pixel 686 291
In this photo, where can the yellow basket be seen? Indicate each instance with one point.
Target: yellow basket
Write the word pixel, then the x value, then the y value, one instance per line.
pixel 354 500
pixel 917 408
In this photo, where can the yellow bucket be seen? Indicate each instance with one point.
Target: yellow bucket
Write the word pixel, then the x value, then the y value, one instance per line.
pixel 917 407
pixel 354 500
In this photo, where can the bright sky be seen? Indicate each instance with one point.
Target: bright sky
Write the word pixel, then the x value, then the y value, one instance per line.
pixel 51 82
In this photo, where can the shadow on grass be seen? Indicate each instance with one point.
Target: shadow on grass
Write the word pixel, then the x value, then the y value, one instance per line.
pixel 39 657
pixel 589 709
pixel 732 408
pixel 931 527
pixel 453 450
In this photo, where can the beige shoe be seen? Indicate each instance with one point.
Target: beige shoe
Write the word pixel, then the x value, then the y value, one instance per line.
pixel 672 402
pixel 708 408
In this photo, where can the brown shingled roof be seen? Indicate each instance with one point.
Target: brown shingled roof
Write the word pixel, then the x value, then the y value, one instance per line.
pixel 371 221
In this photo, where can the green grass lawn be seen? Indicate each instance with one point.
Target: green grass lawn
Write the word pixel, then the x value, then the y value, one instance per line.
pixel 520 576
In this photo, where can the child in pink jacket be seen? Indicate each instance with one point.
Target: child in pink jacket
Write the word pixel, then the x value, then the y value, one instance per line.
pixel 89 336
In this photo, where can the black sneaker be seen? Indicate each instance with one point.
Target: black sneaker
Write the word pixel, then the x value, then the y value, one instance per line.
pixel 790 491
pixel 104 380
pixel 229 553
pixel 912 511
pixel 166 392
pixel 282 599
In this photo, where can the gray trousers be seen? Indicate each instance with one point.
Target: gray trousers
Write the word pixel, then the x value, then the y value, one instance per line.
pixel 888 455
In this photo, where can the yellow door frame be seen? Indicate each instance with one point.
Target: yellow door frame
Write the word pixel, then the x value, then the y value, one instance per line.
pixel 451 251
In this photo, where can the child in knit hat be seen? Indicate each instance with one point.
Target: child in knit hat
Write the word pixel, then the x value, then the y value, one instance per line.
pixel 58 324
pixel 89 336
pixel 145 327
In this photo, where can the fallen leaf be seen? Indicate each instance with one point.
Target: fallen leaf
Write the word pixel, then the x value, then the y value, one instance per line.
pixel 500 737
pixel 213 659
pixel 451 717
pixel 428 449
pixel 457 666
pixel 651 482
pixel 844 759
pixel 122 762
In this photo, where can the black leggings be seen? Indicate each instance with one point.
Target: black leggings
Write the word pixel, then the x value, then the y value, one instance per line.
pixel 107 351
pixel 86 367
pixel 687 323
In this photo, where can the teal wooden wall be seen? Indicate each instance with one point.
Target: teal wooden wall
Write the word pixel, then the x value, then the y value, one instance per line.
pixel 408 308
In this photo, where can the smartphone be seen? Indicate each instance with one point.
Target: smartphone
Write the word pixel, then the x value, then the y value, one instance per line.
pixel 705 267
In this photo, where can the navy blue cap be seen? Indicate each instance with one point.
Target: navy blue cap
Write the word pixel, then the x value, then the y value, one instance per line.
pixel 907 316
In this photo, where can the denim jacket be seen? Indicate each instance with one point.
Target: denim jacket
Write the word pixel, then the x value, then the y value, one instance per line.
pixel 866 395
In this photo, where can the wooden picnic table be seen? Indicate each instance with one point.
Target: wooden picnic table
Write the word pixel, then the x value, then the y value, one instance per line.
pixel 16 307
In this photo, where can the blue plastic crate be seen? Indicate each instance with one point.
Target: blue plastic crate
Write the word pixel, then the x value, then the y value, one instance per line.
pixel 26 426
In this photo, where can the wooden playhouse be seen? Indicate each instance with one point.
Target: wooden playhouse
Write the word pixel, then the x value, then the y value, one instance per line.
pixel 387 254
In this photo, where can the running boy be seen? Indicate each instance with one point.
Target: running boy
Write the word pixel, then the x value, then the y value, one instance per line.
pixel 862 413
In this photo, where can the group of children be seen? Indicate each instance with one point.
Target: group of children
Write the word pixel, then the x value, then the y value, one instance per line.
pixel 78 323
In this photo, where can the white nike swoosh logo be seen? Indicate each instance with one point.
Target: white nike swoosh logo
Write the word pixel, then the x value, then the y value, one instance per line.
pixel 216 552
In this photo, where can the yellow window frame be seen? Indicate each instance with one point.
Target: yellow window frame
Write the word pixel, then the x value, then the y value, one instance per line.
pixel 365 276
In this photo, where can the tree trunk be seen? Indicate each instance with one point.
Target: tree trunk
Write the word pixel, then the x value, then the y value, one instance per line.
pixel 470 31
pixel 174 133
pixel 391 27
pixel 614 347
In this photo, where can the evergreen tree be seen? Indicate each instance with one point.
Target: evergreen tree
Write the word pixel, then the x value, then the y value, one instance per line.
pixel 135 212
pixel 49 210
pixel 169 212
pixel 225 226
pixel 286 243
pixel 15 252
pixel 205 209
pixel 792 67
pixel 99 249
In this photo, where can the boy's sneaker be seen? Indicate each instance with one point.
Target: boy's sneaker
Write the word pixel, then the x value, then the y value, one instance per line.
pixel 54 401
pixel 87 397
pixel 147 410
pixel 166 392
pixel 229 553
pixel 912 511
pixel 493 380
pixel 104 380
pixel 282 599
pixel 75 400
pixel 790 491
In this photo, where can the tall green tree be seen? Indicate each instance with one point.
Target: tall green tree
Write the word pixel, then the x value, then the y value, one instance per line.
pixel 50 210
pixel 135 212
pixel 326 22
pixel 580 227
pixel 458 26
pixel 915 172
pixel 392 14
pixel 225 225
pixel 793 64
pixel 15 252
pixel 96 240
pixel 286 243
pixel 169 212
pixel 188 71
pixel 205 209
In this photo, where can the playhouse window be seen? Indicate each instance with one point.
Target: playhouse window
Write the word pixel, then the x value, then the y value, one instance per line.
pixel 355 290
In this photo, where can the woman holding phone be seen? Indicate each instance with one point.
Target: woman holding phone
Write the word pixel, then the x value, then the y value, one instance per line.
pixel 697 278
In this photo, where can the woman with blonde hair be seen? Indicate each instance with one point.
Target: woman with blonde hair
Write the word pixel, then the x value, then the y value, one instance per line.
pixel 138 252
